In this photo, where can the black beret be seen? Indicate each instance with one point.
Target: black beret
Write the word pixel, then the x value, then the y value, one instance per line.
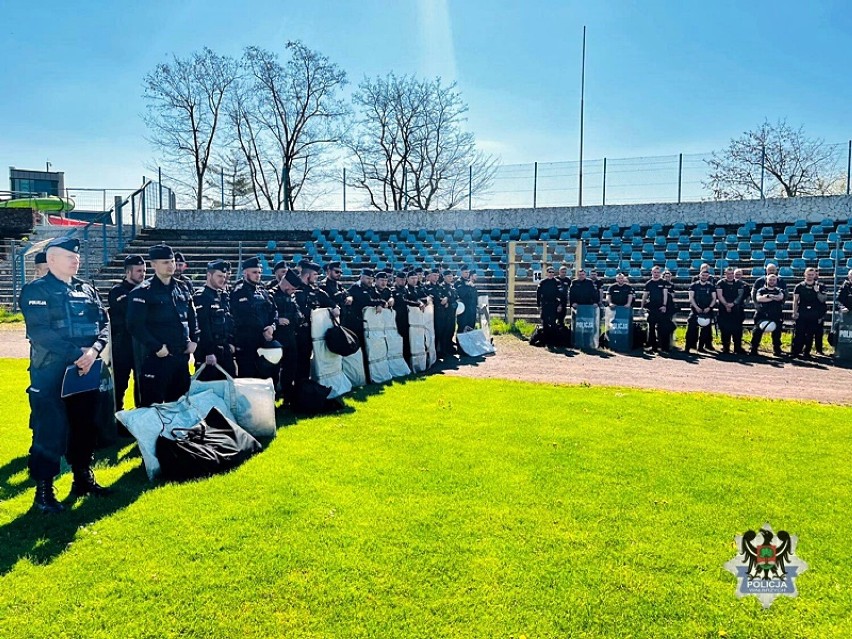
pixel 381 275
pixel 368 272
pixel 292 278
pixel 411 274
pixel 434 271
pixel 251 262
pixel 448 272
pixel 179 257
pixel 64 242
pixel 160 252
pixel 419 269
pixel 219 265
pixel 279 265
pixel 332 265
pixel 41 257
pixel 400 274
pixel 133 260
pixel 307 265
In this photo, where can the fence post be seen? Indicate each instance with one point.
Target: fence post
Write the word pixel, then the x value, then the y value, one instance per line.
pixel 132 218
pixel 160 187
pixel 104 239
pixel 603 194
pixel 222 180
pixel 848 166
pixel 240 254
pixel 284 185
pixel 679 176
pixel 142 203
pixel 535 183
pixel 119 223
pixel 14 276
pixel 344 189
pixel 469 187
pixel 762 168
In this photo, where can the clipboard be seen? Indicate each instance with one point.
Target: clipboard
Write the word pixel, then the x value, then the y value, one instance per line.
pixel 73 383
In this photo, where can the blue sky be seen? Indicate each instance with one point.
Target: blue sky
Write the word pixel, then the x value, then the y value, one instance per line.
pixel 661 77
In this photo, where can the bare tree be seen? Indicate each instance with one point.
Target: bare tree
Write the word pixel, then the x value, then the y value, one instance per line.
pixel 792 164
pixel 230 174
pixel 286 118
pixel 410 145
pixel 185 101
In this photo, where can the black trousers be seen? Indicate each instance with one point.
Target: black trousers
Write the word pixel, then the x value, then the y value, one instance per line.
pixel 122 367
pixel 700 336
pixel 659 330
pixel 804 333
pixel 731 328
pixel 402 328
pixel 549 321
pixel 304 348
pixel 163 379
pixel 286 381
pixel 757 336
pixel 61 427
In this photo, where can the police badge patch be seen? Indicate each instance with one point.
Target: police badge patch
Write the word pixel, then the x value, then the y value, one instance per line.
pixel 766 565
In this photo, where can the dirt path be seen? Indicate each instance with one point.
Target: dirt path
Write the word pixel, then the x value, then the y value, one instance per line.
pixel 816 380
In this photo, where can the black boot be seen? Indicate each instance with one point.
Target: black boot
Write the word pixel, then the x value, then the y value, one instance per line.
pixel 85 484
pixel 45 499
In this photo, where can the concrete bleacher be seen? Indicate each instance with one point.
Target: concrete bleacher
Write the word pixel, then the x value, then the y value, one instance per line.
pixel 632 249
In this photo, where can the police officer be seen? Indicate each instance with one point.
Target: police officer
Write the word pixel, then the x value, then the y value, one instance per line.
pixel 770 301
pixel 620 293
pixel 702 300
pixel 445 316
pixel 730 294
pixel 469 296
pixel 405 298
pixel 309 297
pixel 161 318
pixel 551 298
pixel 844 295
pixel 40 262
pixel 760 282
pixel 121 339
pixel 180 271
pixel 564 281
pixel 215 323
pixel 383 290
pixel 808 298
pixel 583 291
pixel 363 295
pixel 278 272
pixel 657 302
pixel 67 328
pixel 290 321
pixel 254 318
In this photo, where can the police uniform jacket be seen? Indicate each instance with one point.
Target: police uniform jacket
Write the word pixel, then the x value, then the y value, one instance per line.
pixel 215 324
pixel 467 293
pixel 62 319
pixel 550 294
pixel 809 304
pixel 733 292
pixel 770 310
pixel 620 293
pixel 702 294
pixel 845 295
pixel 159 314
pixel 334 291
pixel 583 292
pixel 655 290
pixel 118 299
pixel 386 294
pixel 363 297
pixel 310 298
pixel 252 310
pixel 288 308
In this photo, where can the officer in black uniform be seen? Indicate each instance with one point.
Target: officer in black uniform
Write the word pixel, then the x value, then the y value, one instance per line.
pixel 161 318
pixel 731 294
pixel 656 299
pixel 290 320
pixel 551 298
pixel 67 327
pixel 278 271
pixel 819 330
pixel 844 295
pixel 254 318
pixel 121 340
pixel 215 323
pixel 760 282
pixel 180 272
pixel 808 300
pixel 405 298
pixel 564 281
pixel 583 291
pixel 383 290
pixel 309 297
pixel 445 316
pixel 702 300
pixel 40 261
pixel 770 301
pixel 363 295
pixel 620 293
pixel 469 296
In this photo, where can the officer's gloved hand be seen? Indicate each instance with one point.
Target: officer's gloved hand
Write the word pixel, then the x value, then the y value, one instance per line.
pixel 210 360
pixel 190 348
pixel 268 333
pixel 163 352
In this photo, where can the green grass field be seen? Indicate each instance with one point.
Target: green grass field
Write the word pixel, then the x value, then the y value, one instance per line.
pixel 446 507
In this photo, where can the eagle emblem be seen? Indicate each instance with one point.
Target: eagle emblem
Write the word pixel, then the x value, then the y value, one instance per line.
pixel 766 565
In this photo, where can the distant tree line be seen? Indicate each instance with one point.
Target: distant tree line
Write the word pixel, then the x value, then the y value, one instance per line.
pixel 274 131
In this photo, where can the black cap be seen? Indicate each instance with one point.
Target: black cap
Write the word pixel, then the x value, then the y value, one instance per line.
pixel 448 272
pixel 160 252
pixel 292 278
pixel 434 271
pixel 411 274
pixel 64 242
pixel 368 272
pixel 279 265
pixel 251 262
pixel 381 275
pixel 133 260
pixel 41 257
pixel 179 257
pixel 464 267
pixel 307 265
pixel 400 274
pixel 332 265
pixel 418 270
pixel 304 263
pixel 219 265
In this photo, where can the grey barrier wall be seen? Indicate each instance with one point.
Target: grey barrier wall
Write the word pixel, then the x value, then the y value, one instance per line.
pixel 812 209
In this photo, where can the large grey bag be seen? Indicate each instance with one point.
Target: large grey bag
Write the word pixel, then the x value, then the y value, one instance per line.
pixel 251 400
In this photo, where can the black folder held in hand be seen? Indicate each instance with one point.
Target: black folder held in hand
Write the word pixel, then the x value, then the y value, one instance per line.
pixel 74 383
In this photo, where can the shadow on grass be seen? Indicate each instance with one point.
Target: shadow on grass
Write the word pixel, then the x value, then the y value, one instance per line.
pixel 7 472
pixel 41 538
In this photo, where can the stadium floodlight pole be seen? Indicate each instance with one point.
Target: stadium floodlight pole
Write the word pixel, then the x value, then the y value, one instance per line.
pixel 582 106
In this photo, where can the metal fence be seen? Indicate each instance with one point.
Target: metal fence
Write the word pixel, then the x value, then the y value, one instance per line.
pixel 681 177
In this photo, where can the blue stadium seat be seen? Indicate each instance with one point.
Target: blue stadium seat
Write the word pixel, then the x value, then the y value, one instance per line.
pixel 758 271
pixel 594 242
pixel 786 272
pixel 606 234
pixel 696 233
pixel 671 264
pixel 801 224
pixel 610 272
pixel 647 248
pixel 795 246
pixel 636 242
pixel 671 247
pixel 838 254
pixel 660 242
pixel 635 273
pixel 799 264
pixel 673 233
pixel 844 229
pixel 706 240
pixel 720 247
pixel 733 256
pixel 809 255
pixel 683 273
pixel 808 239
pixel 683 241
pixel 743 232
pixel 826 263
pixel 769 246
pixel 756 239
pixel 719 231
pixel 636 256
pixel 521 272
pixel 743 247
pixel 758 255
pixel 731 239
pixel 683 256
pixel 514 234
pixel 767 231
pixel 695 247
pixel 768 262
pixel 833 237
pixel 822 247
pixel 647 264
pixel 708 255
pixel 696 264
pixel 782 254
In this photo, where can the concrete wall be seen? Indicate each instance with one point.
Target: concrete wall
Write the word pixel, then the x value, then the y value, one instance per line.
pixel 813 209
